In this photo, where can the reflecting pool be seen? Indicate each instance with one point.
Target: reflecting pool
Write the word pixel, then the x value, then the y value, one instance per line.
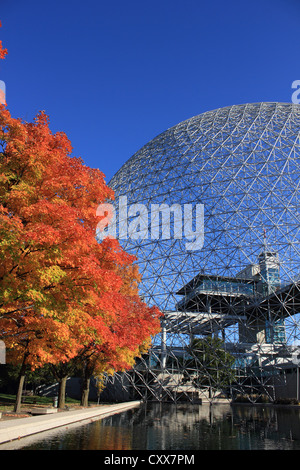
pixel 155 426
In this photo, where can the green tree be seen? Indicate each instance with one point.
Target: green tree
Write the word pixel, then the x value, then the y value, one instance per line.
pixel 211 365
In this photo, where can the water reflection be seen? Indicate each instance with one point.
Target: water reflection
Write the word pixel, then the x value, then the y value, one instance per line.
pixel 179 427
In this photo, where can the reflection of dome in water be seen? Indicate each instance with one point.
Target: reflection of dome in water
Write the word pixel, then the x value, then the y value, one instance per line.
pixel 243 164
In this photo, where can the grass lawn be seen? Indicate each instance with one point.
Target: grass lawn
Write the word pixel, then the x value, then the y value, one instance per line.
pixel 7 401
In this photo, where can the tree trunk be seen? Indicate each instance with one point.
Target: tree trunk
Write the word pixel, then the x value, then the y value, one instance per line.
pixel 62 392
pixel 17 407
pixel 85 392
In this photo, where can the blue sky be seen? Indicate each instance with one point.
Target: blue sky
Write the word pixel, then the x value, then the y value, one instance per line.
pixel 113 75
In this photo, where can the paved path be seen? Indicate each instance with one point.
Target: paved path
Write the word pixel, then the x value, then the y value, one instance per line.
pixel 21 427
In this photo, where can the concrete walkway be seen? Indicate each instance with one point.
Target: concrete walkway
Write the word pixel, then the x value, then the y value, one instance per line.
pixel 21 427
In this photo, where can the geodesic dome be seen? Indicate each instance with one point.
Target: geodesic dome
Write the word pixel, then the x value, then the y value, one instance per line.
pixel 237 171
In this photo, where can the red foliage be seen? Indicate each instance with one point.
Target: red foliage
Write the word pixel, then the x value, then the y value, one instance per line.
pixel 62 292
pixel 3 52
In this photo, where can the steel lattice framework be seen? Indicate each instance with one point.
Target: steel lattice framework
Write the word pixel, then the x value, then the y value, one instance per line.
pixel 232 306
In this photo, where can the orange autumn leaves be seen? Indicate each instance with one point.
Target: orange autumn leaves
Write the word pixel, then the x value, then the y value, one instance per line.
pixel 3 52
pixel 61 292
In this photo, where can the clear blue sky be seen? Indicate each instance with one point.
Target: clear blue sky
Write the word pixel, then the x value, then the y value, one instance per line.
pixel 114 74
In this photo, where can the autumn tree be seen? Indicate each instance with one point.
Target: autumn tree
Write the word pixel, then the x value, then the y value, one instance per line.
pixel 3 51
pixel 129 331
pixel 129 338
pixel 61 291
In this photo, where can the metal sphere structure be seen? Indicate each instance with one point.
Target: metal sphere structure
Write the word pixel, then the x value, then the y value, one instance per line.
pixel 211 210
